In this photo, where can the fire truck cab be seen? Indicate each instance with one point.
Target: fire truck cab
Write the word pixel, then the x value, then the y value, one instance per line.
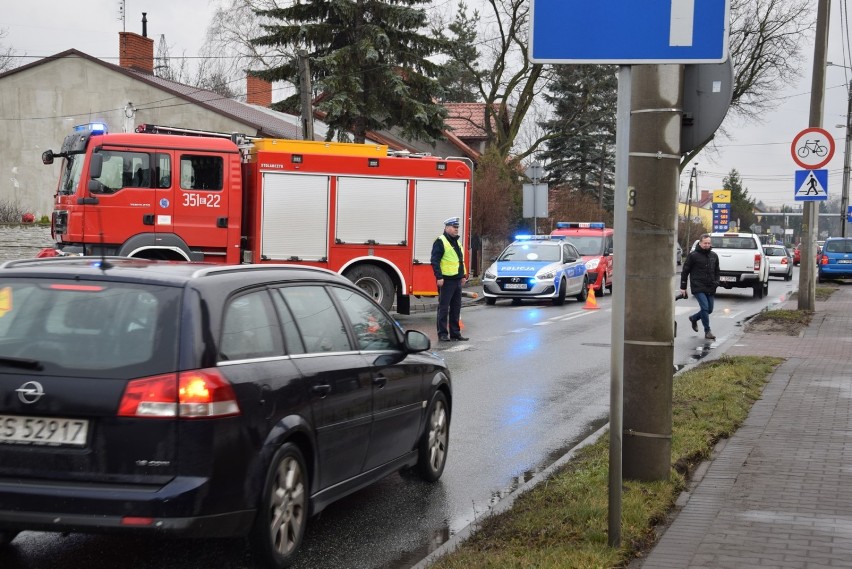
pixel 186 195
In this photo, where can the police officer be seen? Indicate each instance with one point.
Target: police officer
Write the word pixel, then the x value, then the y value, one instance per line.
pixel 449 268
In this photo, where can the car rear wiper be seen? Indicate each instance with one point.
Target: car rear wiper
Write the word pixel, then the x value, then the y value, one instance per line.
pixel 24 363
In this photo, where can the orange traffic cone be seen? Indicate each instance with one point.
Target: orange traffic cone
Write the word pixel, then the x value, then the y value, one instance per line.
pixel 591 303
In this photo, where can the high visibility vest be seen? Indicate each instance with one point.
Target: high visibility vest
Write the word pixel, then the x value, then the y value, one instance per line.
pixel 450 261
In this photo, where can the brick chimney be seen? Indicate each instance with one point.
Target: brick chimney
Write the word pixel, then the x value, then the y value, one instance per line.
pixel 136 52
pixel 258 91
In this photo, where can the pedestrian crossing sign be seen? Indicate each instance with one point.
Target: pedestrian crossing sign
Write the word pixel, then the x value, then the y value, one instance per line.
pixel 811 185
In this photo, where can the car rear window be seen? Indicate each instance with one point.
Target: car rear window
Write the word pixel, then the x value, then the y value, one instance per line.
pixel 775 251
pixel 733 242
pixel 838 246
pixel 89 328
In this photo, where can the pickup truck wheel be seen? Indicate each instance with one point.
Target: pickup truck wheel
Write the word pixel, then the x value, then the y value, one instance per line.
pixel 758 290
pixel 373 281
pixel 766 288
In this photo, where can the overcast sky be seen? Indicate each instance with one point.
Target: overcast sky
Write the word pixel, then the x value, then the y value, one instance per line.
pixel 760 152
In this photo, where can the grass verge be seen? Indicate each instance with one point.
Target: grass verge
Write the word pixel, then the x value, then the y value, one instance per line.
pixel 562 522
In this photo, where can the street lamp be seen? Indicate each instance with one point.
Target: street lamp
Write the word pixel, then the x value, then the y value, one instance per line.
pixel 844 196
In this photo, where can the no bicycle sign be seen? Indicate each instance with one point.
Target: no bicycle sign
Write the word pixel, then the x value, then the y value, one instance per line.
pixel 812 148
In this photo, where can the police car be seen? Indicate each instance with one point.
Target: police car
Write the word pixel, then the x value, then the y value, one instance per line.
pixel 537 267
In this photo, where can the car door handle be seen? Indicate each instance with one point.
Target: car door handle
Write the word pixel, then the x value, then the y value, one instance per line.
pixel 322 389
pixel 380 380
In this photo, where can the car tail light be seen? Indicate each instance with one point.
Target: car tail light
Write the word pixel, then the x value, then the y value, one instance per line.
pixel 757 262
pixel 186 395
pixel 823 260
pixel 784 261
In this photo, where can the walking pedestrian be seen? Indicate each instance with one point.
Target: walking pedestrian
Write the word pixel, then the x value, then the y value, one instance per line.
pixel 450 274
pixel 702 269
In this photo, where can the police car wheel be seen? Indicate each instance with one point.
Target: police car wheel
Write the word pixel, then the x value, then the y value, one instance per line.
pixel 584 292
pixel 490 300
pixel 559 300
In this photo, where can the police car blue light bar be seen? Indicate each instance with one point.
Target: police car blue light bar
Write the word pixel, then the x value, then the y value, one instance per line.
pixel 94 127
pixel 524 237
pixel 580 224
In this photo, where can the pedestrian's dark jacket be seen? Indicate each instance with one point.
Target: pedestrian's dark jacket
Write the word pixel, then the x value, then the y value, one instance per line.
pixel 438 254
pixel 702 269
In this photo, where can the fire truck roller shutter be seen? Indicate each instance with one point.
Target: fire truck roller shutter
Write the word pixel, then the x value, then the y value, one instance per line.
pixel 159 246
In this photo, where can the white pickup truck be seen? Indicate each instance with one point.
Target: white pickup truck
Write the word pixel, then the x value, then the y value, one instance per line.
pixel 742 262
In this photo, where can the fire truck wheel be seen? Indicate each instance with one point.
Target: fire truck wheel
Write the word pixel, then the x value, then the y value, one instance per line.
pixel 373 281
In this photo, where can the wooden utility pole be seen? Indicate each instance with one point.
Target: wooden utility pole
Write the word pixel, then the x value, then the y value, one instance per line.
pixel 653 173
pixel 807 272
pixel 305 96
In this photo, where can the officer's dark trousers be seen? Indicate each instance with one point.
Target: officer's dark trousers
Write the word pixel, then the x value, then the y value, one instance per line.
pixel 449 308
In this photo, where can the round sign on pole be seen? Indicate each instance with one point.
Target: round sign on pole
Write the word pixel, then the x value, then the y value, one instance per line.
pixel 812 148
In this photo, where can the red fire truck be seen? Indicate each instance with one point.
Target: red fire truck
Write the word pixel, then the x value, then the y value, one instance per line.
pixel 189 195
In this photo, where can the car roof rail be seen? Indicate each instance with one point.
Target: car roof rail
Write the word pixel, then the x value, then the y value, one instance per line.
pixel 220 269
pixel 34 261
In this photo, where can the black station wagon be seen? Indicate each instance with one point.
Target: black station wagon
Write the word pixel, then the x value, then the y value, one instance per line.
pixel 201 400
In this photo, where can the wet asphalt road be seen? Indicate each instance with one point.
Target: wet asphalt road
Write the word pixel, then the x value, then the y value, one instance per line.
pixel 533 381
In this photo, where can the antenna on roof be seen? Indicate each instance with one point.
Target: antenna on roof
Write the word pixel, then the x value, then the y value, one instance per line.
pixel 121 15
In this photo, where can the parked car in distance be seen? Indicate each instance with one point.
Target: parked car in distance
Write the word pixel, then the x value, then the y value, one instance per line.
pixel 797 255
pixel 780 261
pixel 835 259
pixel 536 267
pixel 199 400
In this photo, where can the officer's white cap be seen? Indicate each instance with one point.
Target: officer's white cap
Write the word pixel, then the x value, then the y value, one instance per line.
pixel 454 221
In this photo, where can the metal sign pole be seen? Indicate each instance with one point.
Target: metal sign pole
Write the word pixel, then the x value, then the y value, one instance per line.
pixel 616 384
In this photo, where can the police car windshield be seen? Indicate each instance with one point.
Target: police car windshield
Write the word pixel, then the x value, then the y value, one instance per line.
pixel 532 252
pixel 587 245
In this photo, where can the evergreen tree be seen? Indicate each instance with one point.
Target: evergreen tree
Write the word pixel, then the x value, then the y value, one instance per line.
pixel 368 59
pixel 461 77
pixel 580 150
pixel 742 206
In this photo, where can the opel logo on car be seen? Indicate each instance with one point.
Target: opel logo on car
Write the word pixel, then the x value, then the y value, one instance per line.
pixel 30 392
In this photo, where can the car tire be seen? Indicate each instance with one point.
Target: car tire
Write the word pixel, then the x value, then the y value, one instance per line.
pixel 433 446
pixel 374 282
pixel 560 298
pixel 282 510
pixel 758 290
pixel 603 286
pixel 490 300
pixel 516 302
pixel 6 537
pixel 766 288
pixel 788 277
pixel 584 292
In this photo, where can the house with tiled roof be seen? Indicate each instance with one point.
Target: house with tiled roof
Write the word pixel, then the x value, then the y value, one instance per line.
pixel 466 122
pixel 41 102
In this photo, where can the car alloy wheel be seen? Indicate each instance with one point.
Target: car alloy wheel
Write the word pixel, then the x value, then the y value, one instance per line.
pixel 283 513
pixel 432 452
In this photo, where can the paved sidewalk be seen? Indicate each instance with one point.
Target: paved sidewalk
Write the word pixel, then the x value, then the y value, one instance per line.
pixel 779 492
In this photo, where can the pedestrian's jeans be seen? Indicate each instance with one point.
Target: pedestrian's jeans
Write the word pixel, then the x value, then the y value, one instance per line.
pixel 705 304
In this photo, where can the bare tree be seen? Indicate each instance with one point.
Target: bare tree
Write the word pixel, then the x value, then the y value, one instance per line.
pixel 7 54
pixel 765 47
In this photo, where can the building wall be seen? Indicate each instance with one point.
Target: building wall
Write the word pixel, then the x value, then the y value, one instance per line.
pixel 41 104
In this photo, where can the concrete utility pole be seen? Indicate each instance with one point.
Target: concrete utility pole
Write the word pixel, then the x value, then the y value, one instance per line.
pixel 844 196
pixel 807 276
pixel 653 174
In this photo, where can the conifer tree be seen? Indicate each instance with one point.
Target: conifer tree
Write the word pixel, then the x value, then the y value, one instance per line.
pixel 580 149
pixel 368 60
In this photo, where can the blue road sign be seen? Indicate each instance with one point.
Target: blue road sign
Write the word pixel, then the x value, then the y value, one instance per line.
pixel 811 185
pixel 629 31
pixel 849 213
